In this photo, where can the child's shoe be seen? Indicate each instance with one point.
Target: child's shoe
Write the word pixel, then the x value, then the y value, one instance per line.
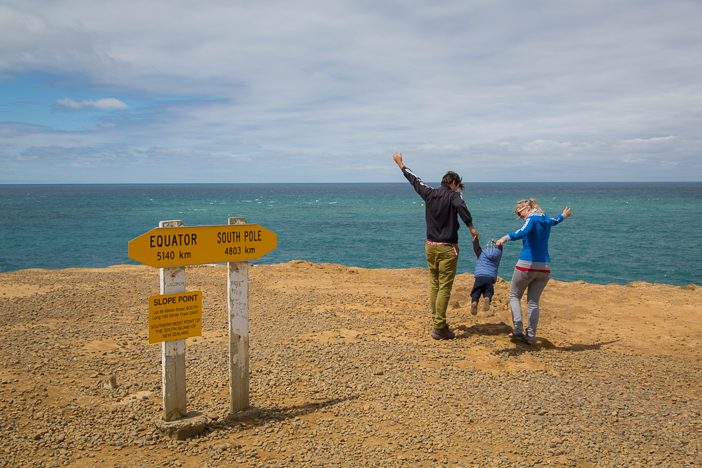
pixel 486 304
pixel 474 308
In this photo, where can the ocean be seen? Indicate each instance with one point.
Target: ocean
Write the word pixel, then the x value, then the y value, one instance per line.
pixel 619 232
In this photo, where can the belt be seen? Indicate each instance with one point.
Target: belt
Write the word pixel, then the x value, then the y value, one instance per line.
pixel 455 246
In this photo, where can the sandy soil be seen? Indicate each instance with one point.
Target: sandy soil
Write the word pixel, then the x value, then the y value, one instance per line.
pixel 343 372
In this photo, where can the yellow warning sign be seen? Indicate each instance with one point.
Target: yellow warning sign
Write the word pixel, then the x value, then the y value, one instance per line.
pixel 175 316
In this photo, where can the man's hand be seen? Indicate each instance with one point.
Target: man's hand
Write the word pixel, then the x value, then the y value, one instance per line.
pixel 474 232
pixel 566 212
pixel 397 157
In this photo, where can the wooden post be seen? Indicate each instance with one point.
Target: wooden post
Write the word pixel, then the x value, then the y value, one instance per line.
pixel 173 352
pixel 238 304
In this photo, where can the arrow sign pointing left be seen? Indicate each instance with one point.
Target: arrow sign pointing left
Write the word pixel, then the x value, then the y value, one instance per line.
pixel 195 245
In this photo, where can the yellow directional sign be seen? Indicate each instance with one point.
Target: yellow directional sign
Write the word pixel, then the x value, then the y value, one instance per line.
pixel 194 245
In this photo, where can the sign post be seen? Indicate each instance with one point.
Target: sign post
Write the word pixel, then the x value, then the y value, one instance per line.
pixel 238 305
pixel 173 352
pixel 173 246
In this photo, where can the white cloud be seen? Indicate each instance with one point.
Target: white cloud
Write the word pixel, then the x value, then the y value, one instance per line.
pixel 654 140
pixel 550 146
pixel 102 104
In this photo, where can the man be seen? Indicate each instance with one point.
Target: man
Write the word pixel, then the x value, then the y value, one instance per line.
pixel 442 208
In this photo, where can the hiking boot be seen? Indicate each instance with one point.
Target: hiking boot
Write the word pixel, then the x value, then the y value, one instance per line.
pixel 474 308
pixel 442 333
pixel 530 340
pixel 486 304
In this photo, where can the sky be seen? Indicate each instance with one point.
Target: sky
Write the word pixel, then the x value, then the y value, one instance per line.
pixel 168 91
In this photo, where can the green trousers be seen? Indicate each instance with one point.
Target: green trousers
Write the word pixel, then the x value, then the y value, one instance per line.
pixel 442 261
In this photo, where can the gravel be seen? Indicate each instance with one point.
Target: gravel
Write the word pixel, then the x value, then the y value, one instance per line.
pixel 343 373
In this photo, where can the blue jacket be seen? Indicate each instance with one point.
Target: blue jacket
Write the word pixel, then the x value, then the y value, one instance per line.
pixel 534 235
pixel 488 262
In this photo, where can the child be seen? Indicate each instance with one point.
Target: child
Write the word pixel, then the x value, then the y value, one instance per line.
pixel 485 274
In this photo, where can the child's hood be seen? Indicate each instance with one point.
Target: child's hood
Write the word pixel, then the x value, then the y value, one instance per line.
pixel 492 252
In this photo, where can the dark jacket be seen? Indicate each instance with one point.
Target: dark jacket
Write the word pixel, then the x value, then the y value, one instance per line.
pixel 442 208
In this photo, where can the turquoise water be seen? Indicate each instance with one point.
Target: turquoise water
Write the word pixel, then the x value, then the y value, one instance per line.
pixel 619 232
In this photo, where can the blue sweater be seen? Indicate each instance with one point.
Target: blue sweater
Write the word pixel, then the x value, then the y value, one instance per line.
pixel 534 235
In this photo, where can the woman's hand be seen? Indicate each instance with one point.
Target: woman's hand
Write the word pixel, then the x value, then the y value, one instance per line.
pixel 502 241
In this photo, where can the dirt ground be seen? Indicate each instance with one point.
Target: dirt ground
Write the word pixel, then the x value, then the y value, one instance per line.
pixel 343 372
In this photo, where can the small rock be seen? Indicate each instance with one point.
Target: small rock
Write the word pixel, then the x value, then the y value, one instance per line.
pixel 111 383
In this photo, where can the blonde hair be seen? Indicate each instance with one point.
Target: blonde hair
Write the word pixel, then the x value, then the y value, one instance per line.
pixel 530 203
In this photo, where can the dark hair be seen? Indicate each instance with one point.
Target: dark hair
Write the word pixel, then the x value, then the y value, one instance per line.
pixel 451 177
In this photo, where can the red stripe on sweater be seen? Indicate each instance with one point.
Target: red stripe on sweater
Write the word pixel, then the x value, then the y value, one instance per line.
pixel 532 269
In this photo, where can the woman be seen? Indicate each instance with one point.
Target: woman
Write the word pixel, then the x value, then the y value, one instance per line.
pixel 532 271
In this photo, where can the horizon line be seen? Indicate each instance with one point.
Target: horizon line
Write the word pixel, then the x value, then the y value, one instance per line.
pixel 369 183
